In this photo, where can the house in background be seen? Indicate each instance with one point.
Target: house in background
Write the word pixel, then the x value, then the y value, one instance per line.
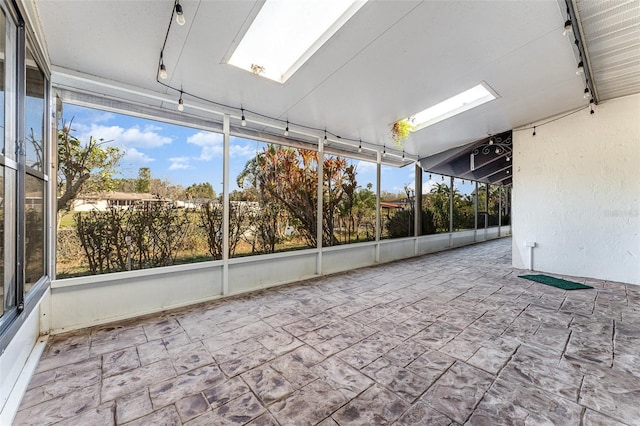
pixel 117 200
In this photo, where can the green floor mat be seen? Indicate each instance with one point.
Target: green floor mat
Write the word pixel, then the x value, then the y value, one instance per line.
pixel 555 282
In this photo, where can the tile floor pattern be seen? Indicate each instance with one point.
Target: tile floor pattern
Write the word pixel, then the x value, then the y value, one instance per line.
pixel 450 338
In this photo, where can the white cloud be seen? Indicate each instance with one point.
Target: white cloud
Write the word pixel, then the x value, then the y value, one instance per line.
pixel 102 116
pixel 180 163
pixel 366 166
pixel 428 185
pixel 147 137
pixel 88 116
pixel 211 144
pixel 400 189
pixel 133 156
pixel 242 151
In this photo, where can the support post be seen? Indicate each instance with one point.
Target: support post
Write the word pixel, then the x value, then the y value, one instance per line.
pixel 417 207
pixel 475 213
pixel 486 212
pixel 378 213
pixel 500 211
pixel 451 211
pixel 225 204
pixel 319 215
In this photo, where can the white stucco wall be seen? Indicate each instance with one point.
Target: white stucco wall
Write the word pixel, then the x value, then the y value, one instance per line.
pixel 576 194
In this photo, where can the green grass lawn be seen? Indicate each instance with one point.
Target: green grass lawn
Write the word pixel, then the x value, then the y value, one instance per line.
pixel 66 221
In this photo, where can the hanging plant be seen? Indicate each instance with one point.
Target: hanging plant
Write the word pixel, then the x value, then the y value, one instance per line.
pixel 400 131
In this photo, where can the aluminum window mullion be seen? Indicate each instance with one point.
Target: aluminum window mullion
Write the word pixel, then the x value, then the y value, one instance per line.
pixel 21 160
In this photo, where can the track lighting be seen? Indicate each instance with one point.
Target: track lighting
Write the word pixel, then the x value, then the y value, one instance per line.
pixel 384 151
pixel 580 69
pixel 243 121
pixel 179 14
pixel 163 71
pixel 403 154
pixel 180 103
pixel 360 146
pixel 286 129
pixel 534 131
pixel 568 28
pixel 586 95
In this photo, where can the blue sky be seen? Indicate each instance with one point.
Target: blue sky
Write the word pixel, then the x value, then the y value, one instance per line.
pixel 183 155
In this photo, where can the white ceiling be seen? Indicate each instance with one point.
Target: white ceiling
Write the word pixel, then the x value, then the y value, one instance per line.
pixel 392 59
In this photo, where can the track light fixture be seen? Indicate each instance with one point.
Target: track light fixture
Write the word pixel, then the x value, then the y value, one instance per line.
pixel 326 142
pixel 403 154
pixel 583 60
pixel 534 131
pixel 384 151
pixel 179 14
pixel 360 146
pixel 180 103
pixel 286 129
pixel 243 121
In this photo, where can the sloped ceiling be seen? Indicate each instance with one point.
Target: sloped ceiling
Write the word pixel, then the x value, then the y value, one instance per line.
pixel 392 59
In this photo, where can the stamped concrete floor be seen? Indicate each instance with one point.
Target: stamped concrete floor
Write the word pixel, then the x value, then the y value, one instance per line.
pixel 450 338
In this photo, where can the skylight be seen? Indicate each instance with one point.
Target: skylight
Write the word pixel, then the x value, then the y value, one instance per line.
pixel 286 33
pixel 455 105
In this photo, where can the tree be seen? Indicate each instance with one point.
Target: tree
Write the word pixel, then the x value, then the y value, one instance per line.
pixel 83 167
pixel 364 211
pixel 124 185
pixel 339 186
pixel 289 177
pixel 201 190
pixel 438 203
pixel 143 182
